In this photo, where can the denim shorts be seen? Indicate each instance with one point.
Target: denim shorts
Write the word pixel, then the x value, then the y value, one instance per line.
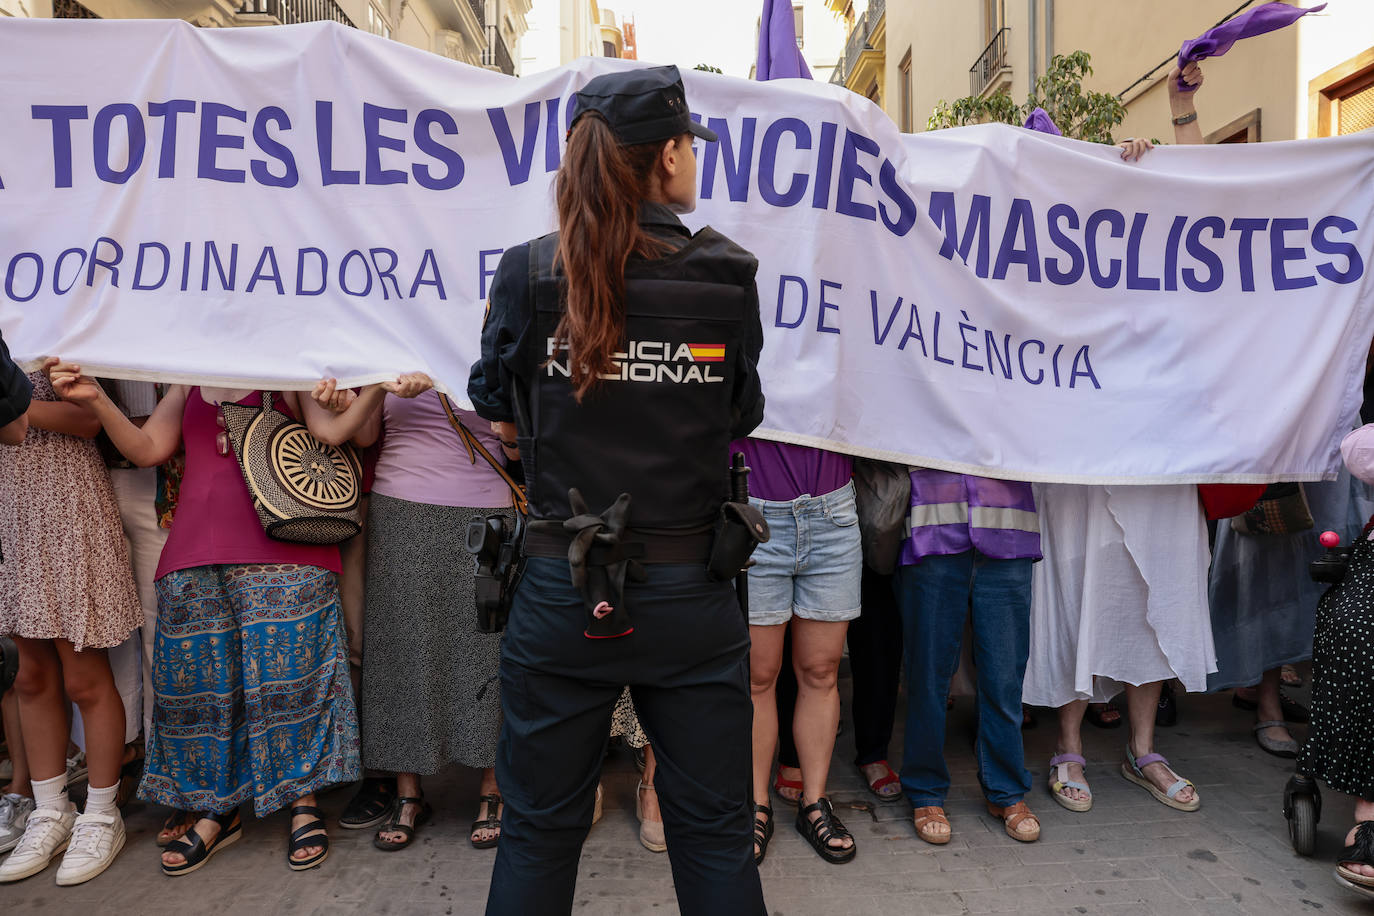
pixel 812 562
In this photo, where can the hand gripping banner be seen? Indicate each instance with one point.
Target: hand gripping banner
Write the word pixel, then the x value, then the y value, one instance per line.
pixel 261 207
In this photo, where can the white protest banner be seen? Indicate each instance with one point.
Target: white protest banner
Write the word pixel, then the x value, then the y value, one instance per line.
pixel 265 206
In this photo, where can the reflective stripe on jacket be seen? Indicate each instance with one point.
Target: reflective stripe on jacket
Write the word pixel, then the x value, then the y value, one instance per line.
pixel 951 513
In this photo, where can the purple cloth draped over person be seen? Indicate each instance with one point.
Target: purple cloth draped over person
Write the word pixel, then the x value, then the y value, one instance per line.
pixel 952 513
pixel 779 472
pixel 779 56
pixel 1217 41
pixel 1040 120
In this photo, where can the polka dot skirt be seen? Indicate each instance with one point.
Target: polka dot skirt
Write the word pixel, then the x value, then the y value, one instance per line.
pixel 1340 746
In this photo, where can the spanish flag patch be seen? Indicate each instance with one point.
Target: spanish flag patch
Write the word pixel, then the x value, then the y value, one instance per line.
pixel 707 353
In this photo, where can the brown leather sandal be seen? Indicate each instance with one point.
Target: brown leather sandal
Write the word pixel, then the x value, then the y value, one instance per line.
pixel 1013 816
pixel 925 818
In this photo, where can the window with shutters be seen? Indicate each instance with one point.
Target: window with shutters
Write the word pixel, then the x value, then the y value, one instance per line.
pixel 1355 110
pixel 1341 100
pixel 994 17
pixel 376 22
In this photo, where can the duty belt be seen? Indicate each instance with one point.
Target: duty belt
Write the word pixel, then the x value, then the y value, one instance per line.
pixel 547 538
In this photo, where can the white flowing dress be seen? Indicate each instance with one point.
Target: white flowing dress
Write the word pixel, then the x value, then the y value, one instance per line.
pixel 1121 596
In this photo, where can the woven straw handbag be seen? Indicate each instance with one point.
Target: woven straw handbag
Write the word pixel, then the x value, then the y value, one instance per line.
pixel 304 491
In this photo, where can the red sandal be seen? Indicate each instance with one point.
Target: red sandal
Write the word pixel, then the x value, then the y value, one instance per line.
pixel 779 783
pixel 888 778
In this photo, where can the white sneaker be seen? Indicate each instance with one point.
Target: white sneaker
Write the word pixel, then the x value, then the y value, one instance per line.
pixel 76 769
pixel 96 840
pixel 45 835
pixel 14 814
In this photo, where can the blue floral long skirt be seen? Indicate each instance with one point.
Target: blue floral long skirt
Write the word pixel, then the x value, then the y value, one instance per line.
pixel 252 697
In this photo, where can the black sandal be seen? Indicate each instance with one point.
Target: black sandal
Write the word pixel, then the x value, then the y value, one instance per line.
pixel 1097 715
pixel 822 830
pixel 763 832
pixel 1360 852
pixel 305 836
pixel 371 805
pixel 394 825
pixel 175 820
pixel 194 850
pixel 491 822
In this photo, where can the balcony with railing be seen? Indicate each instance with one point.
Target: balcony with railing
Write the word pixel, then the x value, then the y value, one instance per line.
pixel 990 64
pixel 292 12
pixel 864 37
pixel 876 9
pixel 479 9
pixel 858 40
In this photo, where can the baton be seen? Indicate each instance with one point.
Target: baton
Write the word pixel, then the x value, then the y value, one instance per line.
pixel 739 493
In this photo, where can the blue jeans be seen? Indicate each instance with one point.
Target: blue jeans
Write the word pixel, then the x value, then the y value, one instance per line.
pixel 934 597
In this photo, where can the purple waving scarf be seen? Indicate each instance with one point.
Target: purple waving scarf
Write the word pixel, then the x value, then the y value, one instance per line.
pixel 1216 42
pixel 1040 120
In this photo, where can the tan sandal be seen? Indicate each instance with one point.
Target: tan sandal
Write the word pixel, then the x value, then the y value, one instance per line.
pixel 1133 769
pixel 925 818
pixel 1013 816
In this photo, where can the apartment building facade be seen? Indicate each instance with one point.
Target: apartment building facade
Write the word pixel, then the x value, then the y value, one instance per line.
pixel 483 33
pixel 1313 79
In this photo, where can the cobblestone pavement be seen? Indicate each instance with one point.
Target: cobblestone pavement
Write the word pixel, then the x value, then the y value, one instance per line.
pixel 1129 855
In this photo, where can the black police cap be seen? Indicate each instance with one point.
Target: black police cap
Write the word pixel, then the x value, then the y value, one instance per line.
pixel 641 105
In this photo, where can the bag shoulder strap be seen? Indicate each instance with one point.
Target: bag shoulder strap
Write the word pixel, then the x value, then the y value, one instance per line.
pixel 542 252
pixel 474 448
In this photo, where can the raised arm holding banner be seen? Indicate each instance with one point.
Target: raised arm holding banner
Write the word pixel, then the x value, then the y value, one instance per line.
pixel 263 207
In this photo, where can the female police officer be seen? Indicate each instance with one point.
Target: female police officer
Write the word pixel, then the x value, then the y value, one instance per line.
pixel 620 356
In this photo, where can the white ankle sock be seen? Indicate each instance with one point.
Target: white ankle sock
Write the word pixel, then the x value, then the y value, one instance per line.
pixel 101 801
pixel 51 793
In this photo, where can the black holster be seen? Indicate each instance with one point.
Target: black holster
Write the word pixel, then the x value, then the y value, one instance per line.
pixel 496 543
pixel 740 528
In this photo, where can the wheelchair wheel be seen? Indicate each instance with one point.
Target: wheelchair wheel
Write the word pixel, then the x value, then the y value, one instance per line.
pixel 1302 825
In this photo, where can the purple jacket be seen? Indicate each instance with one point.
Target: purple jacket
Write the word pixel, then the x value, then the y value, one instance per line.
pixel 951 513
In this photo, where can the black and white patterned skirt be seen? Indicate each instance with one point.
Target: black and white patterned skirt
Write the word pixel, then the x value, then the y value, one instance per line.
pixel 431 692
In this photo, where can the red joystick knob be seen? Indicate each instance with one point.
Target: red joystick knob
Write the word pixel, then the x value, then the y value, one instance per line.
pixel 1330 539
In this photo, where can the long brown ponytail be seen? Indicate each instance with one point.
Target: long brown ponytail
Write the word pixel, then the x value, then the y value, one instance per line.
pixel 599 189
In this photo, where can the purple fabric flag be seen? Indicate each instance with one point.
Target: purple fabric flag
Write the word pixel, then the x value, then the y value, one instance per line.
pixel 1216 42
pixel 779 56
pixel 1042 122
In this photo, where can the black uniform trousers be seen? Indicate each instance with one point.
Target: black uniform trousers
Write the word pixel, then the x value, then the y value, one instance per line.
pixel 687 667
pixel 875 664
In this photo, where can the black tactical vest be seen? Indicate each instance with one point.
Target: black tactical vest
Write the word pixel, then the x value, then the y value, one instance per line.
pixel 659 427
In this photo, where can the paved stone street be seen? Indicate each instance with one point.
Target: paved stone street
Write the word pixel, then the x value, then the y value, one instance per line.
pixel 1129 855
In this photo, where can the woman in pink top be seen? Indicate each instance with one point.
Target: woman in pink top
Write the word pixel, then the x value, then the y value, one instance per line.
pixel 250 670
